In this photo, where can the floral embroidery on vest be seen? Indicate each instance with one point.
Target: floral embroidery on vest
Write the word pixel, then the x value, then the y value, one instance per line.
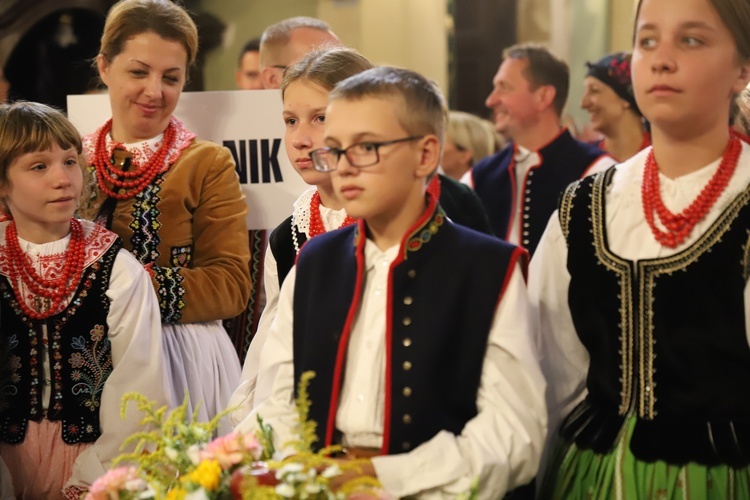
pixel 91 366
pixel 88 363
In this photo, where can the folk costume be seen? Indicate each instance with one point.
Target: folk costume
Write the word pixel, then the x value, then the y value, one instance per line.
pixel 644 324
pixel 309 218
pixel 187 227
pixel 460 203
pixel 520 188
pixel 72 360
pixel 443 386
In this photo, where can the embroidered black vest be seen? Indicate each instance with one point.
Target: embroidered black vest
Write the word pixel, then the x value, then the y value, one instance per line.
pixel 440 308
pixel 564 160
pixel 80 359
pixel 666 337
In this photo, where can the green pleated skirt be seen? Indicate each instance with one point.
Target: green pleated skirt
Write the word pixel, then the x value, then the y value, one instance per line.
pixel 583 474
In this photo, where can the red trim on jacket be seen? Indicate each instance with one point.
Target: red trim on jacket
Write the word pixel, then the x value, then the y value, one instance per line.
pixel 344 340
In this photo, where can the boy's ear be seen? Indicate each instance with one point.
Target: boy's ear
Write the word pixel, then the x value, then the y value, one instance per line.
pixel 429 155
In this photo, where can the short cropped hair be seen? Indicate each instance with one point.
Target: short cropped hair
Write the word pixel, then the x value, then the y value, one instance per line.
pixel 276 36
pixel 424 111
pixel 544 68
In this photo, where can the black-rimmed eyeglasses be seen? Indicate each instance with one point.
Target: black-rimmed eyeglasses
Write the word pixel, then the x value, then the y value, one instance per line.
pixel 361 154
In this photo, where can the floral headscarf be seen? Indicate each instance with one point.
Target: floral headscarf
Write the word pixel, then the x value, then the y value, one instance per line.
pixel 614 71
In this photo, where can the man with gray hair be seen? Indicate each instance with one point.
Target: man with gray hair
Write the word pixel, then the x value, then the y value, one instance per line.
pixel 287 41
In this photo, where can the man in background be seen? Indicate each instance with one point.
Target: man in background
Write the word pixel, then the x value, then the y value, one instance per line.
pixel 520 185
pixel 248 67
pixel 284 43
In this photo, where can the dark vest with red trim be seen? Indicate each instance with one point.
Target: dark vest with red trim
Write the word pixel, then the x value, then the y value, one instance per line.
pixel 459 201
pixel 564 160
pixel 80 359
pixel 666 337
pixel 445 286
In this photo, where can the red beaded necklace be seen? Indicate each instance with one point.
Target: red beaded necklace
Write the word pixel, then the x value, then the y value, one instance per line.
pixel 679 226
pixel 133 181
pixel 316 222
pixel 22 271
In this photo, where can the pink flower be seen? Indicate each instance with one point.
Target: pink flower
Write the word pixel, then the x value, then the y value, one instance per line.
pixel 229 450
pixel 112 483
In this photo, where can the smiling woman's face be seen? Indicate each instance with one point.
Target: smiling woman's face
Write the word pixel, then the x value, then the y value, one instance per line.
pixel 145 81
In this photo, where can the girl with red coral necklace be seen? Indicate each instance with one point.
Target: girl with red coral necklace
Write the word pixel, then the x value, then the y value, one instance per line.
pixel 174 200
pixel 641 281
pixel 72 305
pixel 304 92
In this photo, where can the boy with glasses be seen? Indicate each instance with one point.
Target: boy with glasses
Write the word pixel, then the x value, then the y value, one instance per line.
pixel 429 374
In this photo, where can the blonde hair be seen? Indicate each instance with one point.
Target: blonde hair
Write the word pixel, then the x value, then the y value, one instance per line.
pixel 471 133
pixel 424 110
pixel 326 66
pixel 128 18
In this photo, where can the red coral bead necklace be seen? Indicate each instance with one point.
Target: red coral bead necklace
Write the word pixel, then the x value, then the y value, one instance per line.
pixel 133 181
pixel 679 226
pixel 22 271
pixel 316 221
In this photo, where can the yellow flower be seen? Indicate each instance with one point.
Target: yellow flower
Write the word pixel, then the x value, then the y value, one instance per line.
pixel 207 475
pixel 176 494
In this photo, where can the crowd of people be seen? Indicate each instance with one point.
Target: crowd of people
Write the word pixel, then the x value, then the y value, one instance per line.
pixel 479 303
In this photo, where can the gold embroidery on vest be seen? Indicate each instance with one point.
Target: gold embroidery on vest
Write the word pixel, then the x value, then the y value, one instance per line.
pixel 648 271
pixel 566 206
pixel 621 268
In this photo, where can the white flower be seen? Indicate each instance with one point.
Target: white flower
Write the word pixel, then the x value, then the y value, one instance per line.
pixel 298 478
pixel 171 453
pixel 331 471
pixel 149 494
pixel 283 490
pixel 313 488
pixel 199 494
pixel 194 454
pixel 200 434
pixel 137 484
pixel 291 467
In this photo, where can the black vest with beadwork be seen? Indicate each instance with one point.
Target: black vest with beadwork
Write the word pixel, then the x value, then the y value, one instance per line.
pixel 282 244
pixel 564 160
pixel 80 359
pixel 666 337
pixel 444 288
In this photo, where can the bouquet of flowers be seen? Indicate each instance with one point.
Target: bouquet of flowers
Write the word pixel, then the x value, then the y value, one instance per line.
pixel 178 460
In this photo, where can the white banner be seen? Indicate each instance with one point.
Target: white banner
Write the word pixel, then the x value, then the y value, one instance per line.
pixel 248 123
